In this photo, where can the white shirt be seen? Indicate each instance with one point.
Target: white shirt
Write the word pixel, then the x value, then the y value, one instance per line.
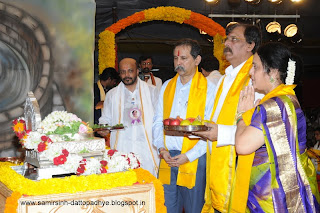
pixel 214 77
pixel 226 133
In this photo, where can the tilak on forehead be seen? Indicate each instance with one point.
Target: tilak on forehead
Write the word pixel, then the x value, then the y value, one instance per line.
pixel 178 52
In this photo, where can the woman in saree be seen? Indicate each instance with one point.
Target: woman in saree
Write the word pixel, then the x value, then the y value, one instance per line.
pixel 282 176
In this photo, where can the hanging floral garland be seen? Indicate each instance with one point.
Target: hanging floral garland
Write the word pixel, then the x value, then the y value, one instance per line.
pixel 22 186
pixel 107 53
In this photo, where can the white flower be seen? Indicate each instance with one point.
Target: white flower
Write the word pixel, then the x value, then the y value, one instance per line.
pixel 72 163
pixel 58 118
pixel 32 140
pixel 52 152
pixel 134 159
pixel 93 166
pixel 290 72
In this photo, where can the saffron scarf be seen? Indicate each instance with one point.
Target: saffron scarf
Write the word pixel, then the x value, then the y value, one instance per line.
pixel 221 161
pixel 289 174
pixel 196 106
pixel 102 92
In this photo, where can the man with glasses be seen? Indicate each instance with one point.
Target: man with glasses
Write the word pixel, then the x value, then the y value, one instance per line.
pixel 132 103
pixel 241 43
pixel 145 63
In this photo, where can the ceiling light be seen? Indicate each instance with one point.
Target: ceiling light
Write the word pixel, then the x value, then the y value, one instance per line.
pixel 293 33
pixel 231 23
pixel 291 30
pixel 276 1
pixel 296 0
pixel 253 1
pixel 212 1
pixel 273 27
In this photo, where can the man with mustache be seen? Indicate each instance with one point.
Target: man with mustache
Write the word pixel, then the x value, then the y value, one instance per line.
pixel 188 94
pixel 241 43
pixel 145 63
pixel 132 103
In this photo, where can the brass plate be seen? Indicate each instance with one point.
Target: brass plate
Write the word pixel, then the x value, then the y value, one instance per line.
pixel 111 128
pixel 189 128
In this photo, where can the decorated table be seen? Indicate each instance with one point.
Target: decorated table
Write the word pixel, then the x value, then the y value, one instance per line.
pixel 130 191
pixel 66 169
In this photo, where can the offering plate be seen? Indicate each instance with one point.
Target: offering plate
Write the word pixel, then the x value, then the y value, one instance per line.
pixel 188 128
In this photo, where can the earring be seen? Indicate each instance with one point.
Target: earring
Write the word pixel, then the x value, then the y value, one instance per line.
pixel 271 80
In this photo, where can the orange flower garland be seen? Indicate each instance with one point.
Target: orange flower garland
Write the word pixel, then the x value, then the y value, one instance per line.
pixel 123 23
pixel 107 54
pixel 143 177
pixel 12 203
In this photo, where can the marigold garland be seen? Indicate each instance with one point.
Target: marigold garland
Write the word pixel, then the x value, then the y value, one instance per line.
pixel 107 53
pixel 74 184
pixel 12 202
pixel 174 14
pixel 218 53
pixel 143 177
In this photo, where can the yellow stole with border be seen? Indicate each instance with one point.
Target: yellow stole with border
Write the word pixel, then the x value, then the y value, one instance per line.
pixel 196 106
pixel 221 161
pixel 278 91
pixel 102 92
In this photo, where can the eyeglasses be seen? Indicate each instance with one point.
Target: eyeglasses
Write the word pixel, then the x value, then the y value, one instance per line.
pixel 144 63
pixel 232 39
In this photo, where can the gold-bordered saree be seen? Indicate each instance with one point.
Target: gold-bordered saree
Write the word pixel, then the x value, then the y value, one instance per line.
pixel 282 177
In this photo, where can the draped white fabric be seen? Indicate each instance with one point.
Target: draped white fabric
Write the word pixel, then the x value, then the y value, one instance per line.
pixel 137 135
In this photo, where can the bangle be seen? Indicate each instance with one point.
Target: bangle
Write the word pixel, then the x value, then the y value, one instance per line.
pixel 239 115
pixel 240 119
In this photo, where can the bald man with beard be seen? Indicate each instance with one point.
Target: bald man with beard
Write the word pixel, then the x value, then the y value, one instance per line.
pixel 132 103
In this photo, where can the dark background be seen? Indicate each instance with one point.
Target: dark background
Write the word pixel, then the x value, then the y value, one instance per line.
pixel 156 38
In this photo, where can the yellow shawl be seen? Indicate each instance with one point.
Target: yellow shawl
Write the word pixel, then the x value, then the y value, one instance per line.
pixel 196 106
pixel 221 161
pixel 102 92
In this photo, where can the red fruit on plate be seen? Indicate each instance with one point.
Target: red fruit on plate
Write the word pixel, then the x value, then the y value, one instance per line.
pixel 166 121
pixel 174 122
pixel 191 119
pixel 180 119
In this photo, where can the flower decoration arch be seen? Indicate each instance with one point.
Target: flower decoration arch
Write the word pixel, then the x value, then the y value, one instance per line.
pixel 107 53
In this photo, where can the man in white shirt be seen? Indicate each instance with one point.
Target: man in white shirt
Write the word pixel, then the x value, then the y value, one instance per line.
pixel 132 103
pixel 188 94
pixel 145 63
pixel 210 68
pixel 241 43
